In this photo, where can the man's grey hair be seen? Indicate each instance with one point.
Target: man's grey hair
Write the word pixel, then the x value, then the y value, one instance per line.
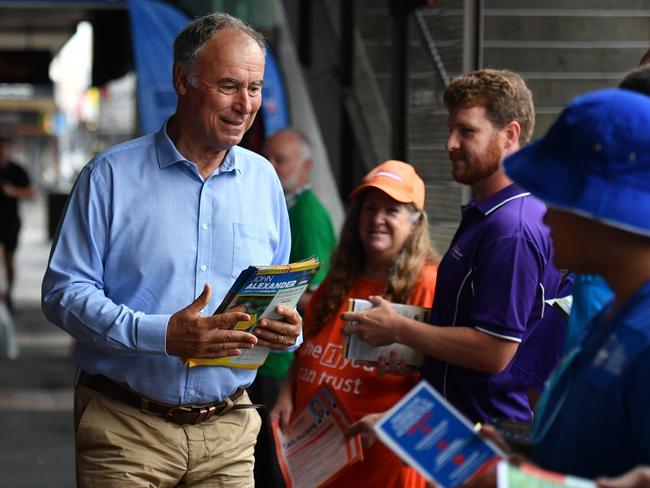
pixel 191 40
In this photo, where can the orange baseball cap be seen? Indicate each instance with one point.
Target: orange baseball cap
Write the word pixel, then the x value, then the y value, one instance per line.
pixel 397 179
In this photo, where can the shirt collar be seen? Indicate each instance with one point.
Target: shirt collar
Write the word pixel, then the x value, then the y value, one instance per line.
pixel 168 154
pixel 229 162
pixel 500 198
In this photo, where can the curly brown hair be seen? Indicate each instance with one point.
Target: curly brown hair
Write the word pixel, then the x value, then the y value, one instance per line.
pixel 348 263
pixel 503 93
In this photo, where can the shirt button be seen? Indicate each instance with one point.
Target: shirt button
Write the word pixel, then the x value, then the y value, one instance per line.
pixel 204 267
pixel 204 227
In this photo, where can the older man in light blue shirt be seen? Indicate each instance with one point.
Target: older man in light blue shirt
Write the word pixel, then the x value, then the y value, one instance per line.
pixel 151 225
pixel 147 247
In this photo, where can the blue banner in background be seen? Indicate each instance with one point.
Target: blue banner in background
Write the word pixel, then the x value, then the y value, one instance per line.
pixel 275 110
pixel 154 26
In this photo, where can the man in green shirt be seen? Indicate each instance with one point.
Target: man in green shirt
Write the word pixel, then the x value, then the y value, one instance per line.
pixel 312 234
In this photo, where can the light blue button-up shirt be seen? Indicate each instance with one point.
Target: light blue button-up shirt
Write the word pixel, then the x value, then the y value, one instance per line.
pixel 142 233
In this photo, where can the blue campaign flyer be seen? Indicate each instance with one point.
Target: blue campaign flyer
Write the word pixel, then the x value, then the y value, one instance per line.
pixel 432 436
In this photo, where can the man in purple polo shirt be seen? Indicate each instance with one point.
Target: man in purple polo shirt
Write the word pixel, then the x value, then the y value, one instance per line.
pixel 493 336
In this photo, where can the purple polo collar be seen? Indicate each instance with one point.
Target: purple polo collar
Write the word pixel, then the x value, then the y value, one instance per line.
pixel 486 207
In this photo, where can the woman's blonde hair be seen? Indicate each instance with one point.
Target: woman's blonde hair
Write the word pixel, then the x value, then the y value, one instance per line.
pixel 349 260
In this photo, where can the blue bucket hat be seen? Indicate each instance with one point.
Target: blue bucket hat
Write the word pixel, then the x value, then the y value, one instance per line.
pixel 594 160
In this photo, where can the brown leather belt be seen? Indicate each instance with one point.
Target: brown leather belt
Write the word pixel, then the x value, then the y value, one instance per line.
pixel 178 414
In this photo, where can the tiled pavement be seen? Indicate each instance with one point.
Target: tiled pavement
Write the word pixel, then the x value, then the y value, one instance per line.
pixel 36 432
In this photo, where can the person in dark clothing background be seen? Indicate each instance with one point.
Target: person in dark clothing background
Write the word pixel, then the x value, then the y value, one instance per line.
pixel 14 185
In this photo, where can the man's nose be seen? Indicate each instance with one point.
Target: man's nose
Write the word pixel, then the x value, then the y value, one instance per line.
pixel 243 102
pixel 452 141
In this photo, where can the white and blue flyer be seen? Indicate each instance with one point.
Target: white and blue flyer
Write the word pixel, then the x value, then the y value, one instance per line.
pixel 427 432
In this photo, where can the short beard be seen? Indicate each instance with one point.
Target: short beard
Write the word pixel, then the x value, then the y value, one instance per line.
pixel 482 166
pixel 290 184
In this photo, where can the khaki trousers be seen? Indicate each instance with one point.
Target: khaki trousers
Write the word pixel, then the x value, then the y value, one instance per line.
pixel 121 446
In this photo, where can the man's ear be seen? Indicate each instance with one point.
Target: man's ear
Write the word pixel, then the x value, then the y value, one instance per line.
pixel 304 172
pixel 180 79
pixel 512 131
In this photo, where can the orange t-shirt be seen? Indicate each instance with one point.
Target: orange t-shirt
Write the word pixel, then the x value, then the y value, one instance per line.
pixel 320 361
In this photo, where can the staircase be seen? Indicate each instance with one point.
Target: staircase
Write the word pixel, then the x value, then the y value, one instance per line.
pixel 564 48
pixel 435 54
pixel 560 47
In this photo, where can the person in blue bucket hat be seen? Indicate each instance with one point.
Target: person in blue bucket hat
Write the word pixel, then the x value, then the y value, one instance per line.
pixel 592 169
pixel 591 292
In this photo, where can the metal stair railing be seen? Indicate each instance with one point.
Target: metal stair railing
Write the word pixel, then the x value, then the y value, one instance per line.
pixel 364 102
pixel 431 47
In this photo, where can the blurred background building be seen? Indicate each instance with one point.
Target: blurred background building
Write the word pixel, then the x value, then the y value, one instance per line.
pixel 362 78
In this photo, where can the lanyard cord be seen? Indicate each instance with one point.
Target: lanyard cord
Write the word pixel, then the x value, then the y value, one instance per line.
pixel 543 422
pixel 561 379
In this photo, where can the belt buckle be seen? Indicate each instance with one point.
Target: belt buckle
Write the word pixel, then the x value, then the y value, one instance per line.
pixel 177 411
pixel 191 415
pixel 205 414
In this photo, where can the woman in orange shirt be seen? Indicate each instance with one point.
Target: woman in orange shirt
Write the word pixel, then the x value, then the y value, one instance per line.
pixel 384 250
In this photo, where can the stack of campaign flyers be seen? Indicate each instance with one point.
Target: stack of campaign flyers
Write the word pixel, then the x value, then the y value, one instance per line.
pixel 315 448
pixel 261 289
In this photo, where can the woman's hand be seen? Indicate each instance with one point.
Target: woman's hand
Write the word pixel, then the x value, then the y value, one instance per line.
pixel 282 411
pixel 394 365
pixel 488 432
pixel 364 426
